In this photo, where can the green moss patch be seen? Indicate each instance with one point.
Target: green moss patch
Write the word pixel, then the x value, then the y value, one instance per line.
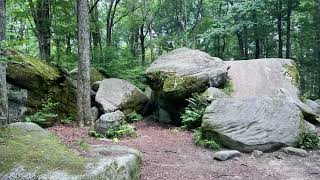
pixel 293 72
pixel 228 87
pixel 37 151
pixel 30 65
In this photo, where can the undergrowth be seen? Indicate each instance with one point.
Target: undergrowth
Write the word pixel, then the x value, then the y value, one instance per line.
pixel 200 140
pixel 192 117
pixel 308 141
pixel 133 117
pixel 122 131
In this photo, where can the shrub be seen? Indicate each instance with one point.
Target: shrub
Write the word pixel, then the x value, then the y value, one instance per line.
pixel 308 141
pixel 47 115
pixel 192 117
pixel 121 131
pixel 133 117
pixel 200 140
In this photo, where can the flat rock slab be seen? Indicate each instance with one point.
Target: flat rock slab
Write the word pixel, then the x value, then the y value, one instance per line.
pixel 117 94
pixel 263 77
pixel 52 160
pixel 254 123
pixel 295 151
pixel 225 155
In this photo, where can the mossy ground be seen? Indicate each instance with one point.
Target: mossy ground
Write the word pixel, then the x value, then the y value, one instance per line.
pixel 38 152
pixel 293 73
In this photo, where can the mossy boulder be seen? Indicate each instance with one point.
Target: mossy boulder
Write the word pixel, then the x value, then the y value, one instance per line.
pixel 40 79
pixel 30 152
pixel 176 75
pixel 95 75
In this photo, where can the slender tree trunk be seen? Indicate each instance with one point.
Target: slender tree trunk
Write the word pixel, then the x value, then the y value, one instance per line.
pixel 2 19
pixel 68 39
pixel 279 26
pixel 4 110
pixel 142 44
pixel 83 84
pixel 41 18
pixel 240 44
pixel 246 44
pixel 58 44
pixel 289 12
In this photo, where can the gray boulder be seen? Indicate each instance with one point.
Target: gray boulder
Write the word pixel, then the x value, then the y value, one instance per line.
pixel 183 71
pixel 117 94
pixel 254 123
pixel 109 120
pixel 225 155
pixel 317 101
pixel 94 113
pixel 263 77
pixel 295 151
pixel 54 161
pixel 17 103
pixel 213 93
pixel 313 105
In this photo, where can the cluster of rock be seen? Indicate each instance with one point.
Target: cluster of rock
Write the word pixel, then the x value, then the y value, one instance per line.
pixel 115 99
pixel 263 112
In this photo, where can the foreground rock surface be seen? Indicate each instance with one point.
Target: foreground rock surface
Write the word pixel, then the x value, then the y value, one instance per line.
pixel 225 155
pixel 254 123
pixel 30 152
pixel 117 94
pixel 295 151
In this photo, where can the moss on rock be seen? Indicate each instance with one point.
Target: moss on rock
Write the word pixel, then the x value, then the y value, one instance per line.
pixel 38 151
pixel 293 73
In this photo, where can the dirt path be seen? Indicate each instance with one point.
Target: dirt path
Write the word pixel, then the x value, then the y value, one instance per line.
pixel 169 153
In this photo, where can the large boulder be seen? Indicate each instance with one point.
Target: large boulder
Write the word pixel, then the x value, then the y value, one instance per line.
pixel 95 75
pixel 176 75
pixel 254 123
pixel 117 94
pixel 313 105
pixel 30 152
pixel 41 81
pixel 183 71
pixel 263 77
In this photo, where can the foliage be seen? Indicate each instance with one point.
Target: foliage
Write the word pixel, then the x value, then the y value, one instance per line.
pixel 121 131
pixel 47 115
pixel 192 117
pixel 133 117
pixel 309 141
pixel 200 140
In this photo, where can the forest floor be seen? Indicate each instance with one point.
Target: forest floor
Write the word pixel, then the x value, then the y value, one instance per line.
pixel 169 153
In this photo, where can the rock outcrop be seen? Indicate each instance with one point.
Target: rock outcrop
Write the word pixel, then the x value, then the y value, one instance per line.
pixel 254 123
pixel 30 152
pixel 178 74
pixel 40 80
pixel 117 94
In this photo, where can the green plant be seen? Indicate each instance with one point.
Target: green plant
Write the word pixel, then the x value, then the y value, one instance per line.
pixel 309 141
pixel 124 130
pixel 200 140
pixel 192 117
pixel 228 87
pixel 47 115
pixel 83 145
pixel 67 120
pixel 133 117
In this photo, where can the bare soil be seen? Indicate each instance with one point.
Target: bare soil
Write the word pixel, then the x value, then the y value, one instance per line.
pixel 169 153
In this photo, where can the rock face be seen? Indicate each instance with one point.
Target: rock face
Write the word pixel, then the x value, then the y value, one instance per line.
pixel 254 123
pixel 109 120
pixel 313 105
pixel 213 93
pixel 18 99
pixel 95 75
pixel 263 77
pixel 117 94
pixel 39 80
pixel 3 95
pixel 178 74
pixel 51 160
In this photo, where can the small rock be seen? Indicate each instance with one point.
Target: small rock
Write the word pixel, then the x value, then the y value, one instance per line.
pixel 295 151
pixel 225 155
pixel 257 153
pixel 109 120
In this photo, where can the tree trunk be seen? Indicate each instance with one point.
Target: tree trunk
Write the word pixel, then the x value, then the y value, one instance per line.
pixel 241 45
pixel 83 81
pixel 4 114
pixel 68 39
pixel 279 25
pixel 288 46
pixel 2 19
pixel 142 44
pixel 58 44
pixel 42 21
